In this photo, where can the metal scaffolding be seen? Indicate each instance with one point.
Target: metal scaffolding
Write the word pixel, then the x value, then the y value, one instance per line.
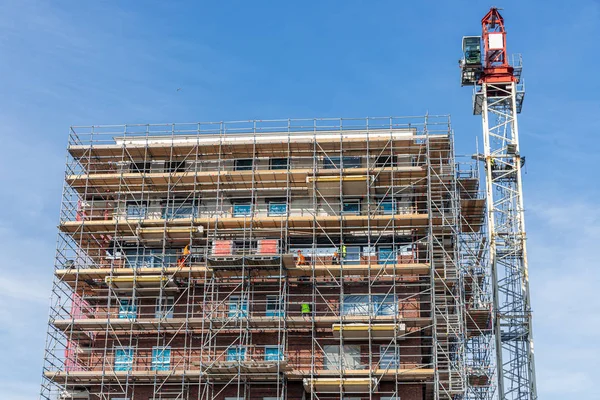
pixel 285 259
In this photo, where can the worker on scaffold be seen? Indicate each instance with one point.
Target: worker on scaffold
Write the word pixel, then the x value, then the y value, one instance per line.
pixel 183 260
pixel 301 259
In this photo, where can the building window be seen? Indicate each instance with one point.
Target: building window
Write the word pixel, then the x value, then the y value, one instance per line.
pixel 161 358
pixel 274 306
pixel 175 166
pixel 341 162
pixel 149 258
pixel 386 161
pixel 348 358
pixel 237 307
pixel 244 164
pixel 388 207
pixel 236 353
pixel 384 304
pixel 386 255
pixel 277 207
pixel 124 358
pixel 242 209
pixel 178 210
pixel 389 356
pixel 279 163
pixel 273 353
pixel 141 166
pixel 164 307
pixel 351 207
pixel 136 210
pixel 127 309
pixel 361 305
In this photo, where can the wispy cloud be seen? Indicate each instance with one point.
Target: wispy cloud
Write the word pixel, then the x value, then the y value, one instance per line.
pixel 564 277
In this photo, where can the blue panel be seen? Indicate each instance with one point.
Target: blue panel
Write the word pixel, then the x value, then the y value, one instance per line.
pixel 273 354
pixel 388 357
pixel 136 211
pixel 237 353
pixel 124 359
pixel 388 207
pixel 384 305
pixel 386 255
pixel 161 358
pixel 241 210
pixel 237 308
pixel 179 212
pixel 277 208
pixel 127 309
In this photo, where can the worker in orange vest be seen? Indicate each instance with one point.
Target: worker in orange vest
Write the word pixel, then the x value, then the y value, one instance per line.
pixel 301 258
pixel 186 254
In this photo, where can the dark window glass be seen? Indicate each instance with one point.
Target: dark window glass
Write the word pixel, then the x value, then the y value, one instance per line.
pixel 386 161
pixel 279 163
pixel 341 162
pixel 243 164
pixel 174 166
pixel 141 166
pixel 351 207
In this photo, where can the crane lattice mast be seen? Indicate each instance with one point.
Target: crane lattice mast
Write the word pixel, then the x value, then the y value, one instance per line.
pixel 498 98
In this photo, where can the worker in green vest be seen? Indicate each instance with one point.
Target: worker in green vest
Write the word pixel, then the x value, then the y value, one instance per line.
pixel 305 308
pixel 343 251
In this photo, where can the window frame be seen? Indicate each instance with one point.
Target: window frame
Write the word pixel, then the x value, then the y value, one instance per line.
pixel 128 363
pixel 271 213
pixel 274 357
pixel 237 165
pixel 236 308
pixel 386 161
pixel 388 260
pixel 342 162
pixel 141 167
pixel 274 166
pixel 164 311
pixel 162 363
pixel 356 202
pixel 172 209
pixel 128 311
pixel 239 355
pixel 277 301
pixel 142 209
pixel 172 166
pixel 238 214
pixel 394 363
pixel 393 209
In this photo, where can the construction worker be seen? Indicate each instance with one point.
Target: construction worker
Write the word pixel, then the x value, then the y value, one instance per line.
pixel 343 252
pixel 184 257
pixel 301 259
pixel 305 309
pixel 336 257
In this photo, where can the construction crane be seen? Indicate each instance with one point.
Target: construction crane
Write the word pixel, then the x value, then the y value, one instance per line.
pixel 498 98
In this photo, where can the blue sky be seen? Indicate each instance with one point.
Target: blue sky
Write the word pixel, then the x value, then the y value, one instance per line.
pixel 75 63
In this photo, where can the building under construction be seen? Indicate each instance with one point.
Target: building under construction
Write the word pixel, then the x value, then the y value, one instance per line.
pixel 291 259
pixel 298 259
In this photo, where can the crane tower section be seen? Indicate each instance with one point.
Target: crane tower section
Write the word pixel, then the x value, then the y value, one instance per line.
pixel 498 98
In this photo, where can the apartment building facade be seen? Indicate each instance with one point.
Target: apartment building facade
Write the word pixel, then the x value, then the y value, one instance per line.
pixel 310 259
